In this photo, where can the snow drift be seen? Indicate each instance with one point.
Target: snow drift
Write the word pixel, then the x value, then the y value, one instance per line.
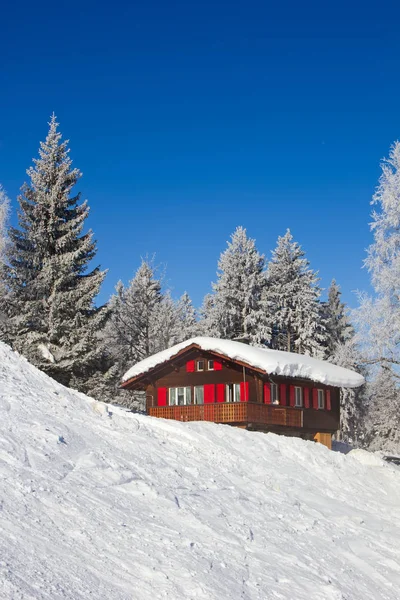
pixel 97 502
pixel 273 362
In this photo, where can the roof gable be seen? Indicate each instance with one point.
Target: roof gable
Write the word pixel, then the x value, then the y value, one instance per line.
pixel 179 359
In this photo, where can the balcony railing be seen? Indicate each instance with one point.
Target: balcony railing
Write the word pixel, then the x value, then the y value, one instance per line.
pixel 238 413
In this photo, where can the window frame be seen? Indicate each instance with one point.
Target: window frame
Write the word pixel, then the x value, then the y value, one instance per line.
pixel 185 389
pixel 198 387
pixel 296 403
pixel 274 393
pixel 321 405
pixel 201 360
pixel 210 360
pixel 235 392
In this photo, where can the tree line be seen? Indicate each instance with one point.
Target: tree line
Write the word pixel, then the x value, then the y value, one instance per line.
pixel 48 289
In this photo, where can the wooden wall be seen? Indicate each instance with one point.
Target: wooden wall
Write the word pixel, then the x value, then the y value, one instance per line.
pixel 175 375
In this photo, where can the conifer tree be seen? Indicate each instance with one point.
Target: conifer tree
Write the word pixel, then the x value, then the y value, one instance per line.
pixel 238 309
pixel 134 318
pixel 378 318
pixel 338 327
pixel 293 295
pixel 4 211
pixel 167 329
pixel 207 324
pixel 53 319
pixel 143 321
pixel 342 349
pixel 383 413
pixel 188 324
pixel 352 401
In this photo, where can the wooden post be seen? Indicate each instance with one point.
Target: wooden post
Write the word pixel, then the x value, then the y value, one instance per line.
pixel 324 438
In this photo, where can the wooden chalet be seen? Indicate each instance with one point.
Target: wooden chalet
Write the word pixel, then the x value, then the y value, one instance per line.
pixel 206 379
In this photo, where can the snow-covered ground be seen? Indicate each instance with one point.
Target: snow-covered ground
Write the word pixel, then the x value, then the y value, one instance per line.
pixel 100 503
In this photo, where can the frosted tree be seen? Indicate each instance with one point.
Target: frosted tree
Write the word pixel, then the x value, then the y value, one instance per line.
pixel 338 327
pixel 207 323
pixel 352 401
pixel 143 321
pixel 293 295
pixel 53 319
pixel 134 312
pixel 188 324
pixel 167 327
pixel 342 349
pixel 383 414
pixel 129 333
pixel 238 309
pixel 4 211
pixel 378 318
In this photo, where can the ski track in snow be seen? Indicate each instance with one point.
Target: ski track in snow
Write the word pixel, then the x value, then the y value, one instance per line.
pixel 96 502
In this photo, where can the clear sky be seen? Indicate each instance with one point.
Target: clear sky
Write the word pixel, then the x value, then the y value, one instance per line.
pixel 190 118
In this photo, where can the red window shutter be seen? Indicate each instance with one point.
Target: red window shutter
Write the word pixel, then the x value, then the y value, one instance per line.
pixel 190 366
pixel 209 393
pixel 162 397
pixel 220 392
pixel 291 395
pixel 244 391
pixel 306 393
pixel 315 398
pixel 282 397
pixel 328 400
pixel 217 365
pixel 267 393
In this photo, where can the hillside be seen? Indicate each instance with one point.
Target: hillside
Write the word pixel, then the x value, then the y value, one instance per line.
pixel 98 503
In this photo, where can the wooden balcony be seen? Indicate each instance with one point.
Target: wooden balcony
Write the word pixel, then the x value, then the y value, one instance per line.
pixel 241 413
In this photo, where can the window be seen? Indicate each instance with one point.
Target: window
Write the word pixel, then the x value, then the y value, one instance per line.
pixel 180 396
pixel 200 365
pixel 199 394
pixel 321 399
pixel 298 396
pixel 274 394
pixel 210 365
pixel 233 392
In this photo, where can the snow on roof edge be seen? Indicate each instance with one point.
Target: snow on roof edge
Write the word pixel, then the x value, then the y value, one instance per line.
pixel 273 362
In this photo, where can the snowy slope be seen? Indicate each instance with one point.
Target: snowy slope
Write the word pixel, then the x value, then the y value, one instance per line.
pixel 274 362
pixel 99 504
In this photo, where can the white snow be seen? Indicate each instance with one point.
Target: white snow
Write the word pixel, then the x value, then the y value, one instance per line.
pixel 99 503
pixel 45 352
pixel 274 362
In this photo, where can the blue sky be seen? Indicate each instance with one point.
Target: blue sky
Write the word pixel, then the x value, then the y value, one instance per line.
pixel 188 119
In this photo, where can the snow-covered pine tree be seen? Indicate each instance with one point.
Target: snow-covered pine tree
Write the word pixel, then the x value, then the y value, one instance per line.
pixel 4 211
pixel 134 318
pixel 338 327
pixel 383 412
pixel 293 295
pixel 167 328
pixel 378 318
pixel 143 321
pixel 53 319
pixel 188 324
pixel 352 401
pixel 238 309
pixel 342 349
pixel 207 322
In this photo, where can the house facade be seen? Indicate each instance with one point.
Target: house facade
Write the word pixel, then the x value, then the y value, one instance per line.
pixel 206 379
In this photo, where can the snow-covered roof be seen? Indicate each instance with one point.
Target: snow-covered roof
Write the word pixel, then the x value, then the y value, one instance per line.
pixel 273 362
